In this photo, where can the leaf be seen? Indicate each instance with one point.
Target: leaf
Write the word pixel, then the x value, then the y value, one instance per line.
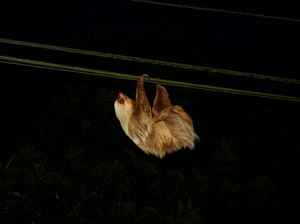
pixel 151 209
pixel 194 218
pixel 24 152
pixel 261 180
pixel 67 187
pixel 78 156
pixel 231 158
pixel 179 207
pixel 15 181
pixel 82 166
pixel 169 219
pixel 215 154
pixel 13 202
pixel 237 188
pixel 127 182
pixel 181 176
pixel 258 182
pixel 57 178
pixel 227 170
pixel 230 206
pixel 116 167
pixel 82 189
pixel 151 169
pixel 264 196
pixel 11 184
pixel 39 169
pixel 120 188
pixel 223 144
pixel 129 205
pixel 29 177
pixel 12 171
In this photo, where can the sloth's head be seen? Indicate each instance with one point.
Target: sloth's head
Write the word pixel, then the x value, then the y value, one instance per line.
pixel 124 108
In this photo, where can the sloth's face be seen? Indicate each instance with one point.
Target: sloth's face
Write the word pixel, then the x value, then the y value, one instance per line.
pixel 124 109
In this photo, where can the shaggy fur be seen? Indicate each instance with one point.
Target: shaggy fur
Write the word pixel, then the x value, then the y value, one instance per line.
pixel 165 129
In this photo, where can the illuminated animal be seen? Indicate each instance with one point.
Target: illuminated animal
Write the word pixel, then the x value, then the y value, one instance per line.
pixel 164 129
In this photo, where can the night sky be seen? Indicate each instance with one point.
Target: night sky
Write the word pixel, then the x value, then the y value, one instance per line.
pixel 218 40
pixel 235 42
pixel 241 43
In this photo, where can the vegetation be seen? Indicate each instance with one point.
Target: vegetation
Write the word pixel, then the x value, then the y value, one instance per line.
pixel 74 164
pixel 77 166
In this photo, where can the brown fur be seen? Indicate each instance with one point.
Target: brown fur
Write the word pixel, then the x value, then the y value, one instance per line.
pixel 165 129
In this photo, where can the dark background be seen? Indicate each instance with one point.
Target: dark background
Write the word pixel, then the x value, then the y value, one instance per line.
pixel 51 110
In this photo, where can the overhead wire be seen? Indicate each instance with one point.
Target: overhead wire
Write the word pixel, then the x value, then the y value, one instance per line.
pixel 217 10
pixel 68 68
pixel 81 70
pixel 151 61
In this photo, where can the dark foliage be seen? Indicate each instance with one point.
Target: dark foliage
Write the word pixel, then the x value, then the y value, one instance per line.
pixel 74 164
pixel 80 170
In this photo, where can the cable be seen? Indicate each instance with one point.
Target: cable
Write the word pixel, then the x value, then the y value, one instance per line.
pixel 218 10
pixel 151 61
pixel 75 69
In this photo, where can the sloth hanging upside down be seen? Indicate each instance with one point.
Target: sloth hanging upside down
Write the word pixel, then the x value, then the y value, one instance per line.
pixel 165 129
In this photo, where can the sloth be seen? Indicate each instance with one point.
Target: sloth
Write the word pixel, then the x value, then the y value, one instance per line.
pixel 164 129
